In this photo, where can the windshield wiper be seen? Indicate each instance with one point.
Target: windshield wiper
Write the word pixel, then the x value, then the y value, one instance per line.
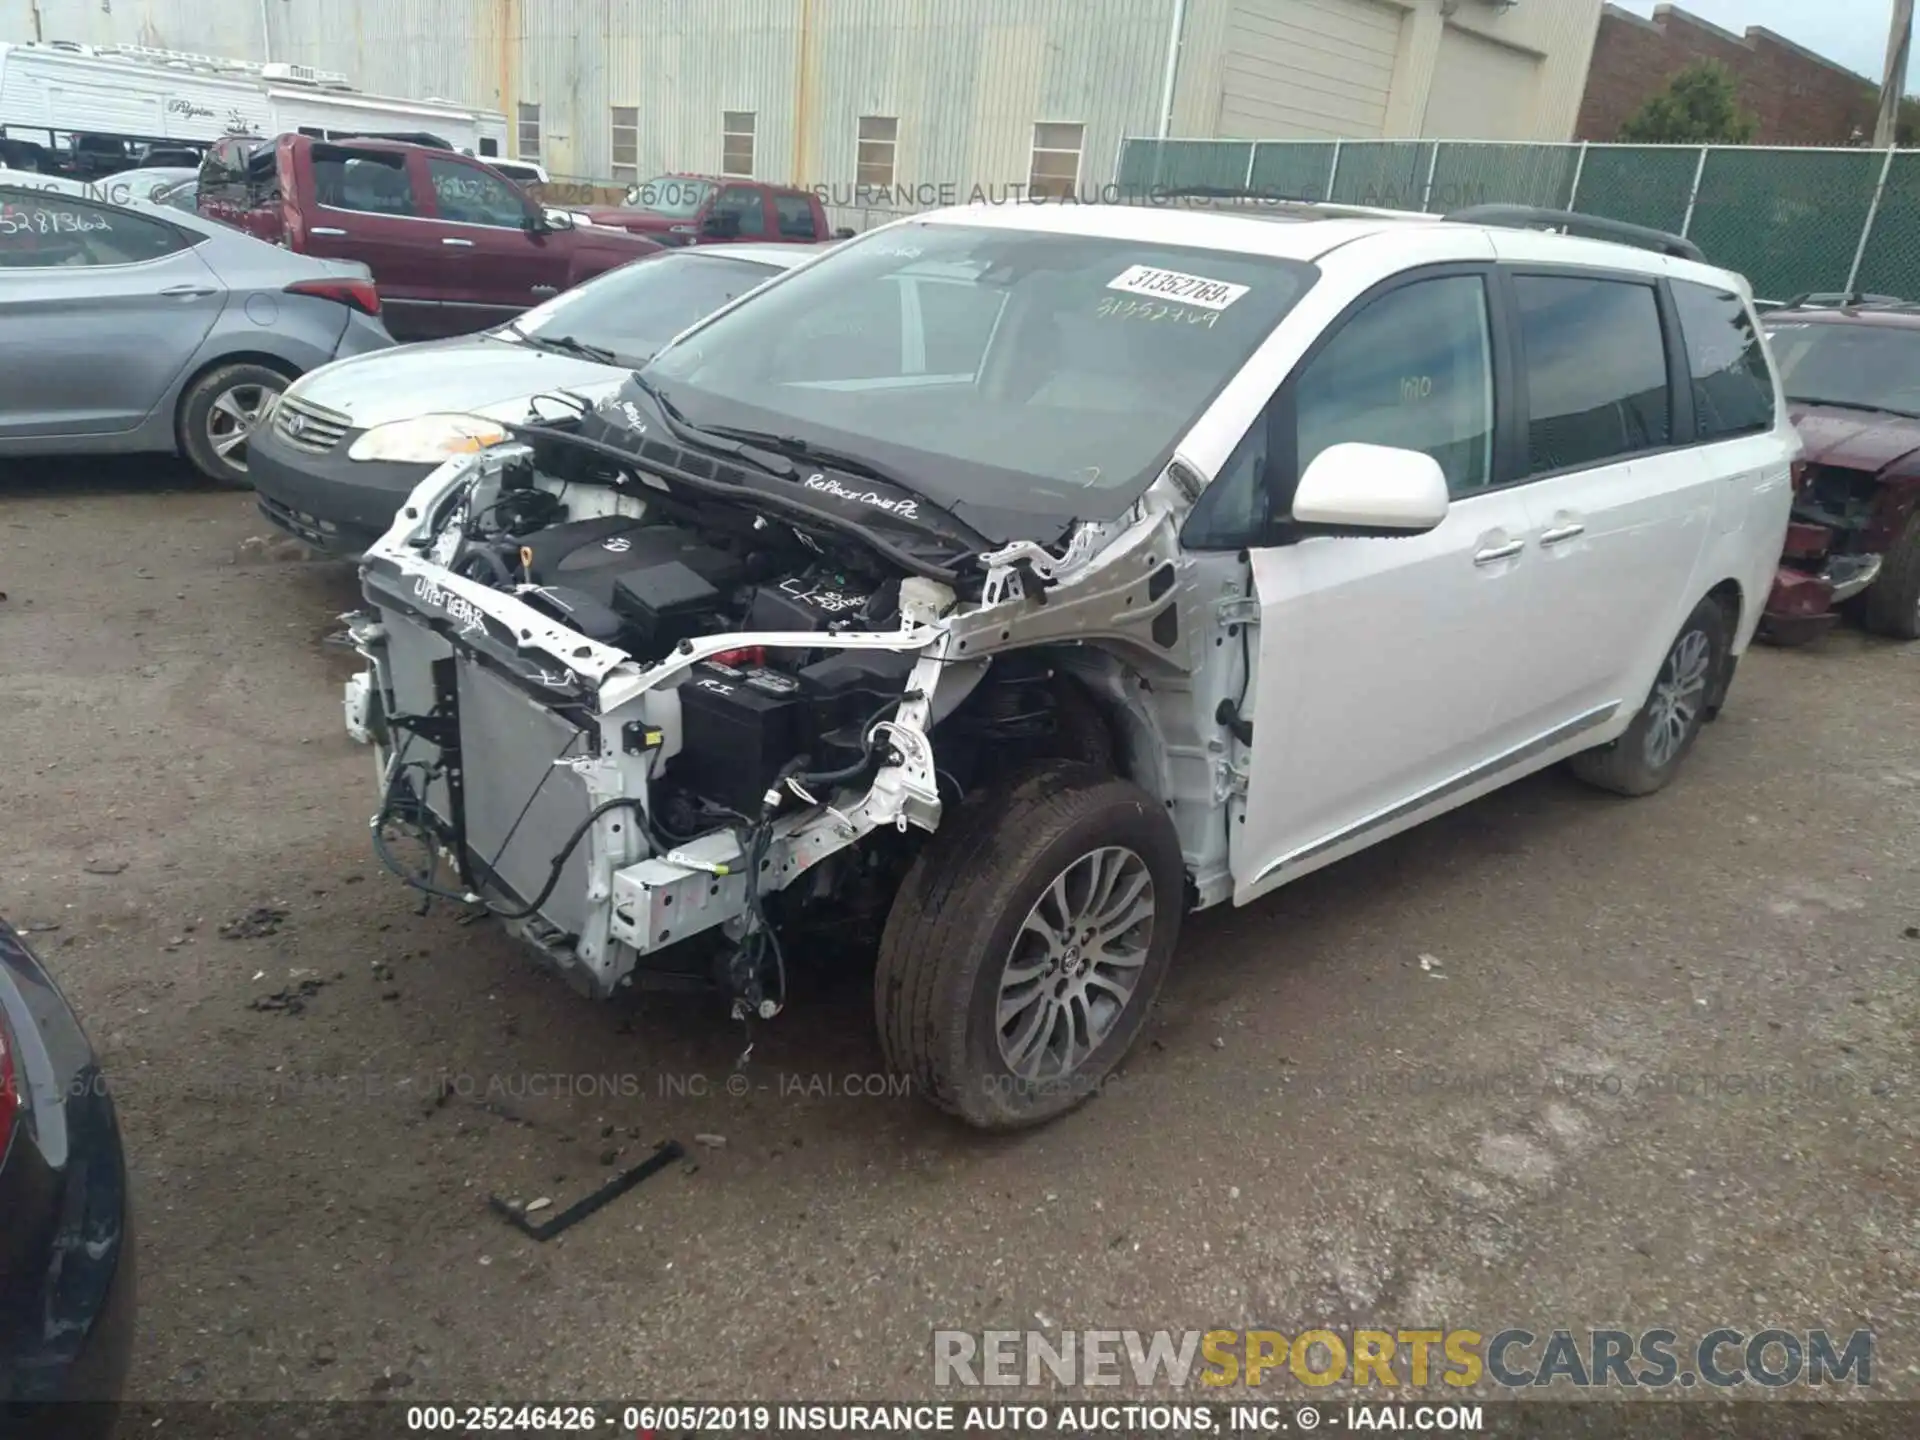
pixel 567 345
pixel 1855 405
pixel 687 433
pixel 804 449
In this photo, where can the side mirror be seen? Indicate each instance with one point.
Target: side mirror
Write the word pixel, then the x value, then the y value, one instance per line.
pixel 845 232
pixel 546 219
pixel 721 224
pixel 1355 489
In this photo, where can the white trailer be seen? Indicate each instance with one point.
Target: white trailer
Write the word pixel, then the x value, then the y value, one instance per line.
pixel 52 93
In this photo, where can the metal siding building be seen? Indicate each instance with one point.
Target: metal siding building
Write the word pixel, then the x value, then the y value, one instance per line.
pixel 965 82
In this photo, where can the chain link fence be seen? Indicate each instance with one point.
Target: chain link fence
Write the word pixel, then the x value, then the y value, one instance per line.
pixel 1791 220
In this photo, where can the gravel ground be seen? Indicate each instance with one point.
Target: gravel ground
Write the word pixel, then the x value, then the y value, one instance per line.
pixel 1662 1073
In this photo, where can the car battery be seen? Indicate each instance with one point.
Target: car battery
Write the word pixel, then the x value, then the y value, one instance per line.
pixel 738 728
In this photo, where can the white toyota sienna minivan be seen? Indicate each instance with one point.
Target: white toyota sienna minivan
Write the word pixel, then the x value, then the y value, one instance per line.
pixel 1011 580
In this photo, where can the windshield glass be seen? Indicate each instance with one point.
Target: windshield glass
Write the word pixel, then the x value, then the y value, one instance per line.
pixel 1040 373
pixel 670 195
pixel 1870 365
pixel 636 309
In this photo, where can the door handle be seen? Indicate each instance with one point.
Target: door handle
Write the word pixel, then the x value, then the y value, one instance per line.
pixel 1498 552
pixel 1562 532
pixel 546 290
pixel 188 292
pixel 326 230
pixel 463 244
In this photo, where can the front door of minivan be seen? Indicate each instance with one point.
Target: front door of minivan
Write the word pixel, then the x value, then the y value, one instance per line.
pixel 1379 690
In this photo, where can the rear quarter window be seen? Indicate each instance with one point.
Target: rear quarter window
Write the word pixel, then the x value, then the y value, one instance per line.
pixel 1727 364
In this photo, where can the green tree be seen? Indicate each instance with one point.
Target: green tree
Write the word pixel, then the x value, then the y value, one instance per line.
pixel 1700 106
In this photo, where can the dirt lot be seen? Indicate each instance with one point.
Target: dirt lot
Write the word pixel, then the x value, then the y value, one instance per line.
pixel 1663 1072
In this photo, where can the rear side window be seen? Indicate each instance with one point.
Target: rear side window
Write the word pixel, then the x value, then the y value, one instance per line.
pixel 1732 387
pixel 1596 370
pixel 745 202
pixel 44 230
pixel 468 195
pixel 795 214
pixel 374 181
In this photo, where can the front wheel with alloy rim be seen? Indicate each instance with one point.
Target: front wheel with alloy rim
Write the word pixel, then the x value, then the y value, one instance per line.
pixel 219 413
pixel 1027 942
pixel 1648 755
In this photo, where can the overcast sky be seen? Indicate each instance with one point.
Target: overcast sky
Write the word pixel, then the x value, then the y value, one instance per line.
pixel 1852 32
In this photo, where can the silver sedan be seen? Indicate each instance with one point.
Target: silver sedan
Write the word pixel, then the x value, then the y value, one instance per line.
pixel 132 327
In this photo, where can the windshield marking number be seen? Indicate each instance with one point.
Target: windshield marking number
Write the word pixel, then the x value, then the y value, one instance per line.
pixel 1112 306
pixel 1177 285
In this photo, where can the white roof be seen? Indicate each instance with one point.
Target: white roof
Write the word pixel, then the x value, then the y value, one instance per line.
pixel 1299 232
pixel 763 253
pixel 1282 232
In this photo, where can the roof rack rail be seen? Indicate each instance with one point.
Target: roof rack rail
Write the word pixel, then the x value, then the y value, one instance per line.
pixel 1842 299
pixel 1591 227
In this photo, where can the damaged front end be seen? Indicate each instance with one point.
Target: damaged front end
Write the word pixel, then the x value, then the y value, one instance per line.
pixel 1814 578
pixel 662 727
pixel 1846 521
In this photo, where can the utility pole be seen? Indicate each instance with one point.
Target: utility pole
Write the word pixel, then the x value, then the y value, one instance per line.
pixel 1894 84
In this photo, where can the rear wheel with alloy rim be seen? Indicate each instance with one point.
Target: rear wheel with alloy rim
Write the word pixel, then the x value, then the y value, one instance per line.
pixel 1027 943
pixel 218 415
pixel 1648 755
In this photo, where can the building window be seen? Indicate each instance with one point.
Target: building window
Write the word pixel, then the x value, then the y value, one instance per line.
pixel 877 136
pixel 736 156
pixel 626 142
pixel 529 132
pixel 1056 161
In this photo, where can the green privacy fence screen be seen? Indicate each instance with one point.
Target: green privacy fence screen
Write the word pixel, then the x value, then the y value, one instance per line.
pixel 1791 220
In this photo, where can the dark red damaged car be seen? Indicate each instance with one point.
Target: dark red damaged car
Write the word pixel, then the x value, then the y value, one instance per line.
pixel 1851 373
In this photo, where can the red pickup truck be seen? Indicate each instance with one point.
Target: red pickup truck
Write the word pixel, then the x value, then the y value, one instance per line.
pixel 707 209
pixel 453 245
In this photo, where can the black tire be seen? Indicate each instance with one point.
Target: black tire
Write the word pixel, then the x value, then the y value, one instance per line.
pixel 1892 602
pixel 950 941
pixel 1638 763
pixel 205 422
